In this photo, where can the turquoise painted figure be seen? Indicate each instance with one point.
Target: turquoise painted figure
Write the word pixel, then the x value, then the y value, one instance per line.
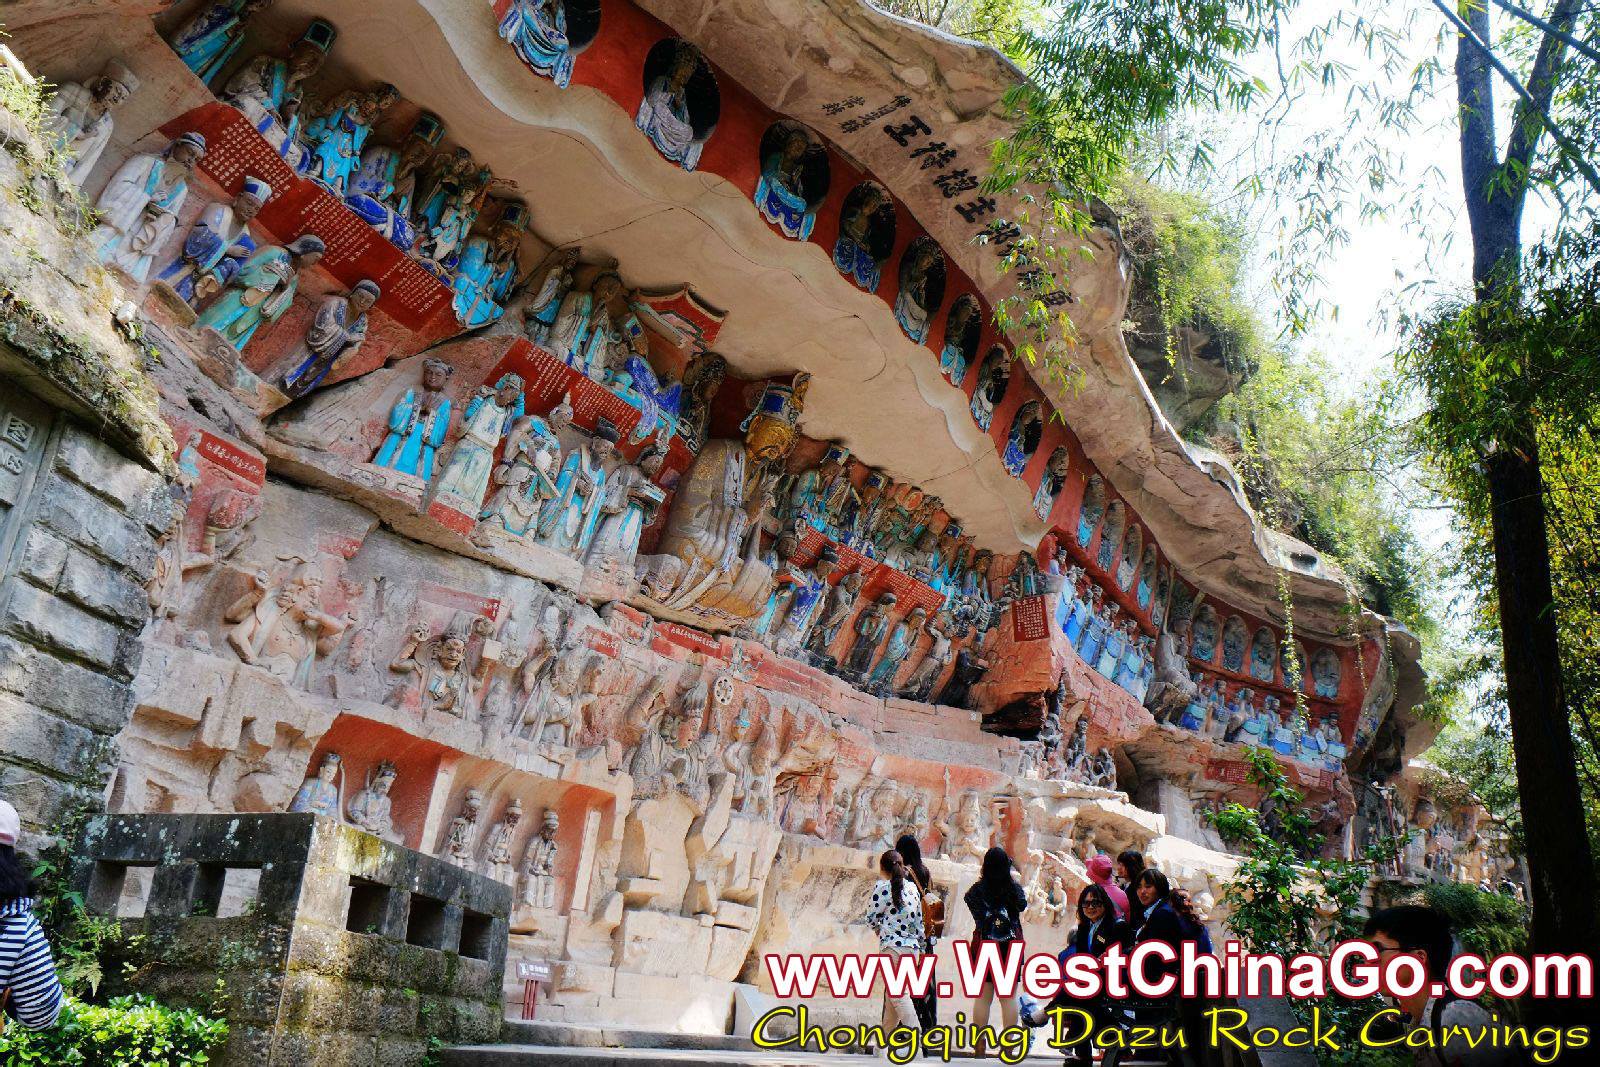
pixel 262 290
pixel 417 424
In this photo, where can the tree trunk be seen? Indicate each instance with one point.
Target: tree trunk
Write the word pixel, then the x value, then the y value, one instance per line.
pixel 1560 867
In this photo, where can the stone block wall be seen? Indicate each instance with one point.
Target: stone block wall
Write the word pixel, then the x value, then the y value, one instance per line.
pixel 317 942
pixel 77 545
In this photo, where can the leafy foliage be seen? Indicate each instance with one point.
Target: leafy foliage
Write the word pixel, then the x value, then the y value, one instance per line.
pixel 1284 904
pixel 1490 924
pixel 125 1032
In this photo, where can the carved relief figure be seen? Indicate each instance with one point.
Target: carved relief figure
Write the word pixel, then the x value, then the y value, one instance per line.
pixel 262 290
pixel 922 278
pixel 319 795
pixel 794 179
pixel 497 863
pixel 139 206
pixel 569 520
pixel 961 331
pixel 549 34
pixel 81 119
pixel 279 624
pixel 1263 656
pixel 268 89
pixel 337 136
pixel 418 423
pixel 841 601
pixel 994 374
pixel 208 40
pixel 809 587
pixel 1092 511
pixel 441 680
pixel 1325 673
pixel 541 304
pixel 681 102
pixel 489 418
pixel 1027 427
pixel 369 809
pixel 1056 470
pixel 869 629
pixel 1203 645
pixel 487 269
pixel 919 686
pixel 218 244
pixel 1234 637
pixel 632 499
pixel 463 831
pixel 539 864
pixel 866 235
pixel 901 638
pixel 337 330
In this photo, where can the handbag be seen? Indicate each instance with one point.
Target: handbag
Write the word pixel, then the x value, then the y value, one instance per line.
pixel 932 911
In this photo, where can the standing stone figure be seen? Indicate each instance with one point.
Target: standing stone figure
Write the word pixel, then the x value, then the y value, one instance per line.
pixel 80 117
pixel 835 612
pixel 262 290
pixel 631 502
pixel 487 269
pixel 369 809
pixel 569 521
pixel 338 330
pixel 805 601
pixel 319 794
pixel 490 416
pixel 544 303
pixel 497 863
pixel 919 686
pixel 539 865
pixel 463 829
pixel 139 206
pixel 418 423
pixel 279 625
pixel 901 638
pixel 217 245
pixel 268 89
pixel 870 628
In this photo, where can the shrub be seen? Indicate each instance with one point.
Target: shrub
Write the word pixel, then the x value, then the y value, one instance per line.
pixel 124 1032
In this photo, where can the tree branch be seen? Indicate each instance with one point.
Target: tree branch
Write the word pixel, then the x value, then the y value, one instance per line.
pixel 1554 31
pixel 1532 115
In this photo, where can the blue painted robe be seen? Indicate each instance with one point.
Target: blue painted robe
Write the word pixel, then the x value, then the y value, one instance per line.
pixel 539 35
pixel 415 436
pixel 336 145
pixel 481 284
pixel 953 362
pixel 1116 642
pixel 1094 639
pixel 894 654
pixel 779 205
pixel 270 280
pixel 205 252
pixel 854 261
pixel 568 522
pixel 1015 458
pixel 211 38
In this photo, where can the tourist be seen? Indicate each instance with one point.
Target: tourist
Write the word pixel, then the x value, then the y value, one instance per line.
pixel 997 902
pixel 1129 863
pixel 31 992
pixel 1100 874
pixel 1154 920
pixel 1099 927
pixel 1194 928
pixel 895 913
pixel 1191 1010
pixel 1416 928
pixel 933 921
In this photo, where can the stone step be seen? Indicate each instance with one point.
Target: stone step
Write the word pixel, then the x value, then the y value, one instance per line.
pixel 512 1055
pixel 565 1035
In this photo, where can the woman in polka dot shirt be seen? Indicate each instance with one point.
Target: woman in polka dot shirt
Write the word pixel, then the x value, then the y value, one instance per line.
pixel 896 915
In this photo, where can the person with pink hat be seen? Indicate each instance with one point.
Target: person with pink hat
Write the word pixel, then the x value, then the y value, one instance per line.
pixel 1100 874
pixel 29 989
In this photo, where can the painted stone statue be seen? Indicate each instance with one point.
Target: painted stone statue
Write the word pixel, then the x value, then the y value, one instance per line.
pixel 994 374
pixel 268 90
pixel 336 332
pixel 1023 439
pixel 569 521
pixel 383 189
pixel 780 191
pixel 418 423
pixel 632 500
pixel 542 304
pixel 488 269
pixel 953 356
pixel 836 610
pixel 262 290
pixel 217 245
pixel 665 114
pixel 809 588
pixel 525 477
pixel 489 418
pixel 497 862
pixel 279 624
pixel 539 865
pixel 870 629
pixel 80 118
pixel 925 675
pixel 370 808
pixel 912 303
pixel 902 637
pixel 139 206
pixel 319 795
pixel 463 831
pixel 442 681
pixel 208 40
pixel 580 314
pixel 338 136
pixel 853 254
pixel 537 29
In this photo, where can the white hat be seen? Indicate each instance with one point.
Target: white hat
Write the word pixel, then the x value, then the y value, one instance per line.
pixel 10 824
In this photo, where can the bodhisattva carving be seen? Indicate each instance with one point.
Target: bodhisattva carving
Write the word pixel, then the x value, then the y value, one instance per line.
pixel 418 423
pixel 870 628
pixel 836 611
pixel 319 795
pixel 708 565
pixel 383 189
pixel 568 693
pixel 539 865
pixel 874 822
pixel 658 726
pixel 497 862
pixel 228 511
pixel 80 118
pixel 279 624
pixel 268 89
pixel 525 478
pixel 965 831
pixel 463 831
pixel 935 658
pixel 369 809
pixel 262 290
pixel 138 209
pixel 337 331
pixel 336 135
pixel 901 638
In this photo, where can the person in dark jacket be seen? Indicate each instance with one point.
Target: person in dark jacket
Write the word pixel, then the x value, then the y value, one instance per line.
pixel 29 989
pixel 1098 929
pixel 911 852
pixel 1130 864
pixel 996 902
pixel 1191 1010
pixel 1154 920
